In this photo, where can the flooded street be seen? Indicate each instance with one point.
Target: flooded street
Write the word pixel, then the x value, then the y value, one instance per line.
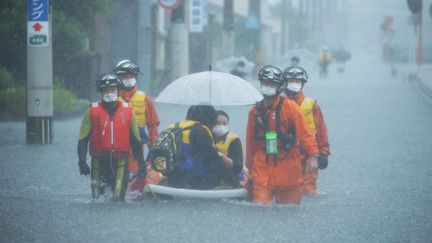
pixel 376 188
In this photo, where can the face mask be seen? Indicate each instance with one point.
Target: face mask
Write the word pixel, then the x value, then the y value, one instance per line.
pixel 110 97
pixel 295 87
pixel 220 130
pixel 129 83
pixel 268 91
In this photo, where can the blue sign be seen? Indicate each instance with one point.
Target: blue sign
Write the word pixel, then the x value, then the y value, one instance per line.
pixel 37 10
pixel 252 22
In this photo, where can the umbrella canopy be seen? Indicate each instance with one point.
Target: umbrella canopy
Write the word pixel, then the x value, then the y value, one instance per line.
pixel 210 87
pixel 308 60
pixel 228 64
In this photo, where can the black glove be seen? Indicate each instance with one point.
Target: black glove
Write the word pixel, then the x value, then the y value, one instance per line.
pixel 84 168
pixel 142 172
pixel 322 161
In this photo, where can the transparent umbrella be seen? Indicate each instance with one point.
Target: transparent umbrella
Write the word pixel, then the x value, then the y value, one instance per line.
pixel 308 60
pixel 210 87
pixel 228 64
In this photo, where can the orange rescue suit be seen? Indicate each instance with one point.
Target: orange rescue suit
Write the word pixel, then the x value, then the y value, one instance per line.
pixel 284 170
pixel 146 115
pixel 321 135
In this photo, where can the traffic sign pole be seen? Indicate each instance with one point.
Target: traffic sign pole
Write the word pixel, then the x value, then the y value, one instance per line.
pixel 39 74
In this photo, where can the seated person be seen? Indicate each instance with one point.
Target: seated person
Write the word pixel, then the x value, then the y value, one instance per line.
pixel 201 167
pixel 230 148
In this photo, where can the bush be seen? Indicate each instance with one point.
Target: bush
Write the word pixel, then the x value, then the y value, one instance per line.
pixel 6 80
pixel 13 98
pixel 65 101
pixel 13 102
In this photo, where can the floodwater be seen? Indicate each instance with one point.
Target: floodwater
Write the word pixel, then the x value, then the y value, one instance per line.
pixel 376 188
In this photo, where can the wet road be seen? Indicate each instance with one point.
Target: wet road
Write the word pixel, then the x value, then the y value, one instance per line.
pixel 376 189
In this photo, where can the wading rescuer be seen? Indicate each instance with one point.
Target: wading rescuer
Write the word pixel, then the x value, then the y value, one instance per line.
pixel 272 158
pixel 110 127
pixel 296 77
pixel 143 108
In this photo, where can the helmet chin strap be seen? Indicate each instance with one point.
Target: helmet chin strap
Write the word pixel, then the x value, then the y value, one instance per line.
pixel 269 100
pixel 292 94
pixel 111 107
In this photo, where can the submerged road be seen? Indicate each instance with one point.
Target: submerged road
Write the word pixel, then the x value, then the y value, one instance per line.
pixel 376 188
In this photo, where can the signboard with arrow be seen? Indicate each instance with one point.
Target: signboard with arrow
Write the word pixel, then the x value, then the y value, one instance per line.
pixel 37 23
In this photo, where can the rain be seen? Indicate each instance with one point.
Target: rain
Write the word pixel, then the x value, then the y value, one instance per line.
pixel 376 103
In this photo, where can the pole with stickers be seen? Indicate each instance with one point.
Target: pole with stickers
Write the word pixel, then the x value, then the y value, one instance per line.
pixel 39 73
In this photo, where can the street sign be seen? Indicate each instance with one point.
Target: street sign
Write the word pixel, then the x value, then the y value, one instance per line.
pixel 38 23
pixel 169 4
pixel 252 21
pixel 197 15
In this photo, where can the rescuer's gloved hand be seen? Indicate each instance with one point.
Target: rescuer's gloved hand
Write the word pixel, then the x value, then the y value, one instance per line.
pixel 322 161
pixel 84 168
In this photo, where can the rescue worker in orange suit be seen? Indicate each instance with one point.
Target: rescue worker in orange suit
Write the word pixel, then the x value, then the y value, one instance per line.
pixel 110 127
pixel 272 158
pixel 229 146
pixel 296 77
pixel 144 109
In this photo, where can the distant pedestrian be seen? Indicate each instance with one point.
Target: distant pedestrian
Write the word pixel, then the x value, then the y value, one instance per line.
pixel 239 70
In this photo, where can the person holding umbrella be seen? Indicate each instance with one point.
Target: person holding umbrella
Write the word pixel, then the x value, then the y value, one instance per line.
pixel 110 127
pixel 272 157
pixel 296 77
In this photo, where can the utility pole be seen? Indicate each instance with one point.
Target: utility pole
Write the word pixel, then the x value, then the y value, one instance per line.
pixel 283 28
pixel 228 26
pixel 145 43
pixel 200 44
pixel 179 42
pixel 290 30
pixel 39 73
pixel 255 13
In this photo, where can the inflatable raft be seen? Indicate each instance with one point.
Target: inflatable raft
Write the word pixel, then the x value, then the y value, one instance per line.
pixel 195 194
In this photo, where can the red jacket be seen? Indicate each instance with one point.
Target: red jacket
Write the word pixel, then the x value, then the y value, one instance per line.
pixel 110 133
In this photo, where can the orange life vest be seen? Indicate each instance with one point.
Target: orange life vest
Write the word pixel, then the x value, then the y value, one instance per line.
pixel 110 133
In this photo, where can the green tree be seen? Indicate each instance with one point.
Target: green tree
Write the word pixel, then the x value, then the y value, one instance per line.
pixel 72 23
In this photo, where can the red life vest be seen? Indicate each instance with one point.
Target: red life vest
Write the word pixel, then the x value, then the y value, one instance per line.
pixel 110 133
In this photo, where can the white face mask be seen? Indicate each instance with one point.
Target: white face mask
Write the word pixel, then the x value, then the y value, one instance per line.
pixel 111 97
pixel 220 130
pixel 129 83
pixel 295 87
pixel 268 91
